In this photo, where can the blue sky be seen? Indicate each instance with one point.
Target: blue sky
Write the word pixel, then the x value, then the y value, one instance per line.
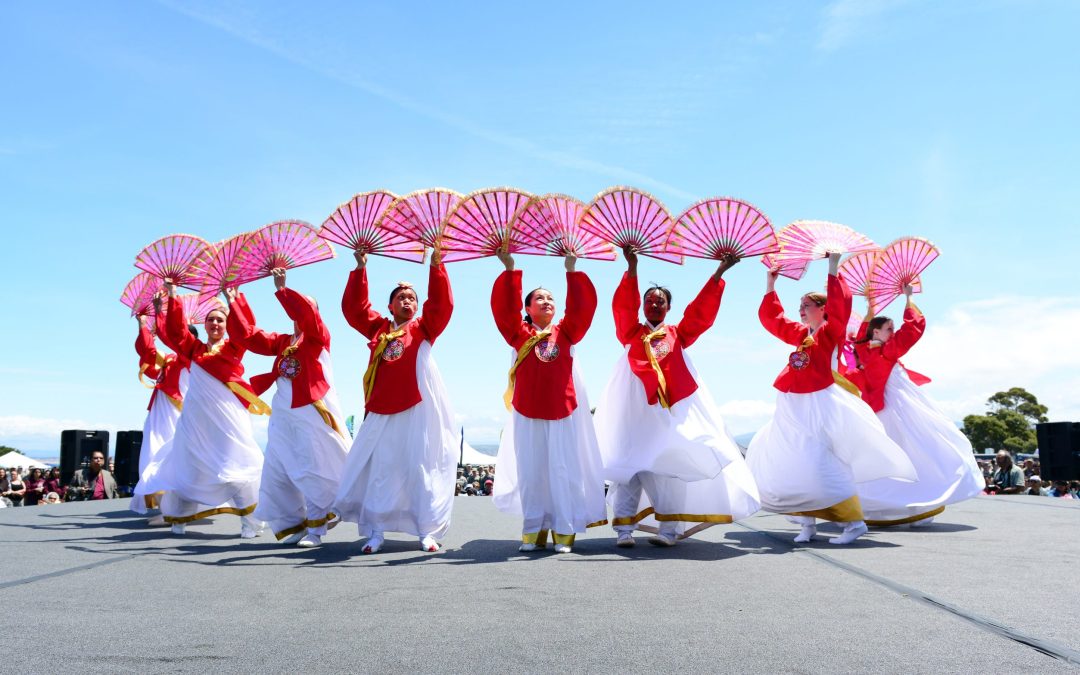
pixel 126 121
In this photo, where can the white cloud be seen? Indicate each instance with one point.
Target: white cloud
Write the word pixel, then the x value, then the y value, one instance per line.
pixel 844 21
pixel 23 426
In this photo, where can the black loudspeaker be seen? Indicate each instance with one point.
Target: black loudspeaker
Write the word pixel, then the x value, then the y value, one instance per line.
pixel 126 455
pixel 76 445
pixel 1059 450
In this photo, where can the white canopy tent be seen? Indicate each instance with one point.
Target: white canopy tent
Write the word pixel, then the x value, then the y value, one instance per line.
pixel 14 459
pixel 468 455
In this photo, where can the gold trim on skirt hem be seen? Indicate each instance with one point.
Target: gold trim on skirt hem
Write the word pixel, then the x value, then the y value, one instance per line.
pixel 318 522
pixel 672 517
pixel 229 510
pixel 904 521
pixel 847 511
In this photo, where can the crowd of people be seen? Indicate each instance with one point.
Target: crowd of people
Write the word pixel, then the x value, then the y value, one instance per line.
pixel 475 480
pixel 1004 476
pixel 38 487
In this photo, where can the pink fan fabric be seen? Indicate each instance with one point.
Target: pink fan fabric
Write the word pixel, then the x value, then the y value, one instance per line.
pixel 419 216
pixel 287 244
pixel 792 268
pixel 899 264
pixel 719 226
pixel 480 224
pixel 552 224
pixel 812 239
pixel 217 268
pixel 139 293
pixel 173 258
pixel 196 307
pixel 627 216
pixel 354 225
pixel 855 271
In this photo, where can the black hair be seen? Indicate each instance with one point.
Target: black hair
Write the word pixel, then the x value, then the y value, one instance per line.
pixel 659 289
pixel 193 330
pixel 398 289
pixel 528 301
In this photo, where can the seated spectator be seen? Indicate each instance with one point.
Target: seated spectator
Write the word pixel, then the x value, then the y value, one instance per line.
pixel 16 488
pixel 35 487
pixel 1009 478
pixel 52 482
pixel 489 485
pixel 93 482
pixel 1074 488
pixel 1060 490
pixel 1034 487
pixel 51 498
pixel 1029 468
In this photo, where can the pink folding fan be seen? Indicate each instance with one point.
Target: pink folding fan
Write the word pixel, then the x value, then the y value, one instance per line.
pixel 139 293
pixel 419 216
pixel 217 267
pixel 855 271
pixel 173 258
pixel 287 244
pixel 480 224
pixel 812 239
pixel 719 226
pixel 792 268
pixel 553 224
pixel 899 264
pixel 627 216
pixel 196 307
pixel 353 225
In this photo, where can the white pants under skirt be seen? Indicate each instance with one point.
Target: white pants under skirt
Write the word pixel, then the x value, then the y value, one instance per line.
pixel 941 454
pixel 305 459
pixel 817 447
pixel 399 475
pixel 212 464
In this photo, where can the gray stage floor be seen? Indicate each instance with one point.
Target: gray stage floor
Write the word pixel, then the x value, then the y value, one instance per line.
pixel 993 586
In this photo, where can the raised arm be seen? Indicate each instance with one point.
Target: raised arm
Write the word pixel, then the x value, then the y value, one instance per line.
pixel 181 340
pixel 144 347
pixel 301 310
pixel 506 306
pixel 625 305
pixel 355 303
pixel 244 333
pixel 771 314
pixel 908 334
pixel 837 303
pixel 439 305
pixel 580 303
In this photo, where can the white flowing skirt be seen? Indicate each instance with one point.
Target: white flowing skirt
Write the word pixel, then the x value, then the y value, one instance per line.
pixel 212 464
pixel 305 458
pixel 690 467
pixel 550 471
pixel 941 454
pixel 158 430
pixel 399 475
pixel 818 447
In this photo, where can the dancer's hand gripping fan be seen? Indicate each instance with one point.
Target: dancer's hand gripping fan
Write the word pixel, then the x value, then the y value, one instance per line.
pixel 419 216
pixel 721 226
pixel 173 259
pixel 355 225
pixel 196 308
pixel 480 225
pixel 806 240
pixel 286 244
pixel 628 217
pixel 139 293
pixel 552 225
pixel 792 268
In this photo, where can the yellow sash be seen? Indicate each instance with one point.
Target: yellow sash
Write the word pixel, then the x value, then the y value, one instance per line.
pixel 376 358
pixel 142 370
pixel 508 397
pixel 256 406
pixel 662 389
pixel 327 416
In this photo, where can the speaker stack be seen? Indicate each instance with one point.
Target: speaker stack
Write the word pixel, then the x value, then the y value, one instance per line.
pixel 128 444
pixel 1059 450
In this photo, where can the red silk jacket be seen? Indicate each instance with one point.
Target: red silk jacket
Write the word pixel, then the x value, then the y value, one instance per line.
pixel 164 369
pixel 877 361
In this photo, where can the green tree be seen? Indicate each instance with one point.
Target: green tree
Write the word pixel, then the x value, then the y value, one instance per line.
pixel 5 450
pixel 1009 424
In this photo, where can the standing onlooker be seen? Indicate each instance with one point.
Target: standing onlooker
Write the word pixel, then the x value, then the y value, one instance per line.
pixel 5 488
pixel 94 482
pixel 52 482
pixel 1009 478
pixel 16 488
pixel 35 487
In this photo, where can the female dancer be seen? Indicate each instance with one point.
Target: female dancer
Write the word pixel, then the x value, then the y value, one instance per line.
pixel 822 440
pixel 213 464
pixel 305 448
pixel 658 427
pixel 170 373
pixel 399 475
pixel 941 454
pixel 549 462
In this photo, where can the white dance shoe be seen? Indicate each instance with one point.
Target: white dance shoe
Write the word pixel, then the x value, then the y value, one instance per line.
pixel 562 548
pixel 921 523
pixel 852 532
pixel 310 541
pixel 374 543
pixel 662 539
pixel 527 548
pixel 625 540
pixel 156 521
pixel 292 538
pixel 806 534
pixel 178 528
pixel 429 544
